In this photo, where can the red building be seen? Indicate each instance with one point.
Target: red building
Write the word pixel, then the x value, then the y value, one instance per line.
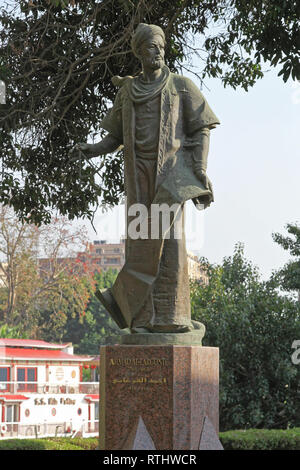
pixel 42 391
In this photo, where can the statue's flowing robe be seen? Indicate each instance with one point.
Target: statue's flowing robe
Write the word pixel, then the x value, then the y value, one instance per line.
pixel 152 288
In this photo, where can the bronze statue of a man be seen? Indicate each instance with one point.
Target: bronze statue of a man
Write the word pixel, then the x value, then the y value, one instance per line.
pixel 163 122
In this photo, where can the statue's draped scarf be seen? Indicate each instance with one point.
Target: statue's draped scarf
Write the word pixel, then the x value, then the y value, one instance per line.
pixel 141 91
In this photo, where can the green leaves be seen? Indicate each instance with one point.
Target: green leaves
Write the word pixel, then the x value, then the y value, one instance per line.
pixel 7 331
pixel 99 327
pixel 289 275
pixel 57 59
pixel 254 327
pixel 286 70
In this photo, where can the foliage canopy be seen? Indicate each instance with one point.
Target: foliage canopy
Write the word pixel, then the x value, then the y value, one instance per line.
pixel 289 275
pixel 254 327
pixel 57 58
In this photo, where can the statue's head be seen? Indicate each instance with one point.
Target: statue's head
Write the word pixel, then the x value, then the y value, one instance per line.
pixel 148 45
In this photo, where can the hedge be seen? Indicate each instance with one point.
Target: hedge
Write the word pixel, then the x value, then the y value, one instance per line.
pixel 90 443
pixel 251 439
pixel 37 444
pixel 261 439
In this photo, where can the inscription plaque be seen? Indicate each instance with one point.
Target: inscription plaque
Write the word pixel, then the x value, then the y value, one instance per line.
pixel 161 393
pixel 139 372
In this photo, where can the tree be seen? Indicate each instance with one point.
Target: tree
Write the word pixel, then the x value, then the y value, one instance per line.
pixel 99 326
pixel 289 275
pixel 18 243
pixel 57 58
pixel 39 293
pixel 254 327
pixel 7 331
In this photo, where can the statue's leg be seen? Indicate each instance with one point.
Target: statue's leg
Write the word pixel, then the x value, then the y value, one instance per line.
pixel 171 291
pixel 167 308
pixel 146 174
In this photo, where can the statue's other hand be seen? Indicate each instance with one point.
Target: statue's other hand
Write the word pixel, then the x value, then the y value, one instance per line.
pixel 81 148
pixel 202 176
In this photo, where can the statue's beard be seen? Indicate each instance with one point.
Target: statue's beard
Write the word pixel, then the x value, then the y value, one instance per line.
pixel 154 63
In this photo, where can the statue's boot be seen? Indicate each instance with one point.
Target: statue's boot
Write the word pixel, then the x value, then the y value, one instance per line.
pixel 108 301
pixel 193 327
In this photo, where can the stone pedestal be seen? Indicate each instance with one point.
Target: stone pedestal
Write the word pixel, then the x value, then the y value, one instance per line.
pixel 159 397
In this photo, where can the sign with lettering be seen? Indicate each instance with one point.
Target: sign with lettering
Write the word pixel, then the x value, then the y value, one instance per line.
pixel 138 373
pixel 138 362
pixel 54 401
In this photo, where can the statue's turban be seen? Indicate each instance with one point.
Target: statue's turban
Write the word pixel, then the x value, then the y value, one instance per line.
pixel 142 33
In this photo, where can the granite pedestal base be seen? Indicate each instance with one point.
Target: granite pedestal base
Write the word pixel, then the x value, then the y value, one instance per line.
pixel 159 397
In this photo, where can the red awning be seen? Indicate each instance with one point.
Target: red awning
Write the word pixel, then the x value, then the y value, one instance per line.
pixel 39 354
pixel 31 343
pixel 9 397
pixel 91 397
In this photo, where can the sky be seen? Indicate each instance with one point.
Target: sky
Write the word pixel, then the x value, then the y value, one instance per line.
pixel 254 165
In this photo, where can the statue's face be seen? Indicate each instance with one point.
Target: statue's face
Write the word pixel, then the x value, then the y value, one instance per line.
pixel 152 52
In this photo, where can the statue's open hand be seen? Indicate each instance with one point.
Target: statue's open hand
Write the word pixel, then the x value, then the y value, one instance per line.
pixel 79 151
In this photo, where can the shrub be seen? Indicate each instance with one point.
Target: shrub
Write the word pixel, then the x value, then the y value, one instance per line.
pixel 261 439
pixel 37 444
pixel 251 439
pixel 90 443
pixel 254 325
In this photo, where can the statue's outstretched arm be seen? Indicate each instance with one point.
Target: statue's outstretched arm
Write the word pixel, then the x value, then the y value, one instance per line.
pixel 107 145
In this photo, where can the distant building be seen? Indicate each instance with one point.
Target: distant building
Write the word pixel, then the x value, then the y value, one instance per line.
pixel 196 270
pixel 104 255
pixel 98 256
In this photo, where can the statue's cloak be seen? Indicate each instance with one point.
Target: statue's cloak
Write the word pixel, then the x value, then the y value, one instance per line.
pixel 184 111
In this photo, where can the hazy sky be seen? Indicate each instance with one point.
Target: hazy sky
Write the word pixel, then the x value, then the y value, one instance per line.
pixel 254 164
pixel 255 167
